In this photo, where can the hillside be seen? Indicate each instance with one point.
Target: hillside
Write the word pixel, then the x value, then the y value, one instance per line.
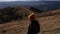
pixel 14 13
pixel 50 23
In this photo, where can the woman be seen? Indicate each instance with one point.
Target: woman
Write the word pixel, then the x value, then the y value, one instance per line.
pixel 34 26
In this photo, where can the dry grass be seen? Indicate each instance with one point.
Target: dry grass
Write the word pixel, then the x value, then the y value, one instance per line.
pixel 49 13
pixel 49 25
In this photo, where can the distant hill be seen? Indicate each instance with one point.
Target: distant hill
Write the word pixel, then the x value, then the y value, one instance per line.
pixel 41 5
pixel 8 14
pixel 20 12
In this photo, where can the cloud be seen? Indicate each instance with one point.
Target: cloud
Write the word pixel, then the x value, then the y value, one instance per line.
pixel 7 0
pixel 17 0
pixel 27 0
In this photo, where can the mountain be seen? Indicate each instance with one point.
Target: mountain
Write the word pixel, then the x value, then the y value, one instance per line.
pixel 19 3
pixel 14 13
pixel 42 5
pixel 49 5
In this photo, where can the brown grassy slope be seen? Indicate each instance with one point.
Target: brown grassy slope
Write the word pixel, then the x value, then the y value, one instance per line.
pixel 49 25
pixel 49 13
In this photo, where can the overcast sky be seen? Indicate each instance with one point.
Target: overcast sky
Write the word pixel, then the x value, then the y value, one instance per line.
pixel 26 0
pixel 18 0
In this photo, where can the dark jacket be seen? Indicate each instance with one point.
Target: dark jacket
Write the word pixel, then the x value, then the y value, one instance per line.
pixel 34 27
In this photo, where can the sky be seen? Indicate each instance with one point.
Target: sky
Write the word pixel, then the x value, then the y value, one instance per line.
pixel 17 0
pixel 26 0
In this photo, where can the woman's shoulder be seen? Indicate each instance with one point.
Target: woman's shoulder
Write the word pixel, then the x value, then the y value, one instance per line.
pixel 34 21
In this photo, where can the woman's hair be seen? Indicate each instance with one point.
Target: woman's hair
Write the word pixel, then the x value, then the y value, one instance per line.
pixel 31 16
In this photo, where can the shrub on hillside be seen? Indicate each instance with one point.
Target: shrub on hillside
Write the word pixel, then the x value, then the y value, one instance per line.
pixel 8 14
